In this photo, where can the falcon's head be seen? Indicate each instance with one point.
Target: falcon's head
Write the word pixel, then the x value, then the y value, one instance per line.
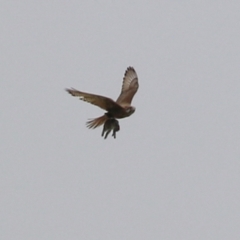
pixel 130 110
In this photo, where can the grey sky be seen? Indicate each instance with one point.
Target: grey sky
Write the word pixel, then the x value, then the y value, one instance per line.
pixel 173 171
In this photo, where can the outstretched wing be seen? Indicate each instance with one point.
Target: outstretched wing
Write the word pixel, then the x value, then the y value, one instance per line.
pixel 129 87
pixel 100 101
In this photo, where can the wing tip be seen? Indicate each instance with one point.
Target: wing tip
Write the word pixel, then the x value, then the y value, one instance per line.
pixel 70 90
pixel 130 69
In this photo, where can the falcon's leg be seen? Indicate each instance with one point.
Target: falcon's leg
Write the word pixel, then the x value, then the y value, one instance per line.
pixel 108 131
pixel 116 127
pixel 103 131
pixel 114 133
pixel 109 125
pixel 106 128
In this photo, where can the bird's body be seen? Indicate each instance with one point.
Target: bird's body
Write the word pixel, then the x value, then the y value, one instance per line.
pixel 120 108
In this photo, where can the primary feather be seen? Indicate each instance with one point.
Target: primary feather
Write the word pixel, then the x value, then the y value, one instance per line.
pixel 129 87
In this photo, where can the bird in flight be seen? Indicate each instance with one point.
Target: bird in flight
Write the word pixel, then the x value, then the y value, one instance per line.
pixel 118 109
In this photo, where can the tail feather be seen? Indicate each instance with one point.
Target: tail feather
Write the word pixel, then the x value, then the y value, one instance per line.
pixel 96 122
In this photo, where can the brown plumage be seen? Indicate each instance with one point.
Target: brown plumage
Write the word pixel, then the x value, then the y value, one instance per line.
pixel 120 108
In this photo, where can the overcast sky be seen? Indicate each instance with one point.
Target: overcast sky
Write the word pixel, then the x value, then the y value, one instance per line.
pixel 172 173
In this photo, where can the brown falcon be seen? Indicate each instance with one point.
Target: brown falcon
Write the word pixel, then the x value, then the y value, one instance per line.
pixel 120 108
